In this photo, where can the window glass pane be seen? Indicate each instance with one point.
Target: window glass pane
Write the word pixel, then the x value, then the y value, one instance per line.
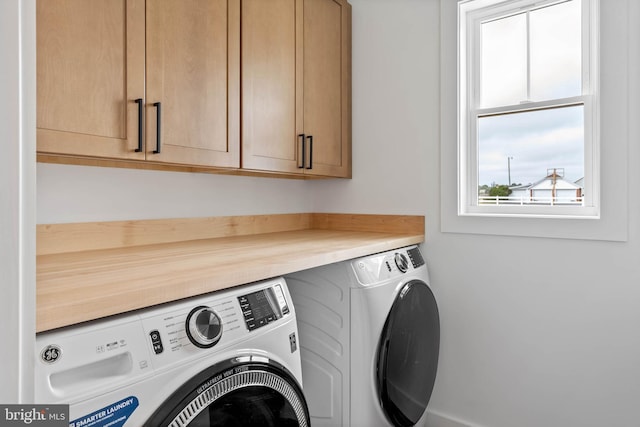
pixel 556 53
pixel 525 149
pixel 504 61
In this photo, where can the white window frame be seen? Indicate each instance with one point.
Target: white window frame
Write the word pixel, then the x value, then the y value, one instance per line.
pixel 471 13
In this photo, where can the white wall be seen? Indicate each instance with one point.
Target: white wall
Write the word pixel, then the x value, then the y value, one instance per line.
pixel 85 194
pixel 395 112
pixel 525 341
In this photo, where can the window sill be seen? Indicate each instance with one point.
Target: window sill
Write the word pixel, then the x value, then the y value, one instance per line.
pixel 547 227
pixel 557 212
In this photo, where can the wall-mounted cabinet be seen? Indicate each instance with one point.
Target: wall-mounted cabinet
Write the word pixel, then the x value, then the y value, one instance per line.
pixel 90 69
pixel 296 80
pixel 111 73
pixel 159 82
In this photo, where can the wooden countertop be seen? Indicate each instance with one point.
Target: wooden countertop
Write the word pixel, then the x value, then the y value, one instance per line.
pixel 92 270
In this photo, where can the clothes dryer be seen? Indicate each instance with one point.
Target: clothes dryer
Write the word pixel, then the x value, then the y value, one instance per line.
pixel 229 358
pixel 369 336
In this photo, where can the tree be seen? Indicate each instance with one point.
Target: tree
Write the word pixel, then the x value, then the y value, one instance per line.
pixel 499 191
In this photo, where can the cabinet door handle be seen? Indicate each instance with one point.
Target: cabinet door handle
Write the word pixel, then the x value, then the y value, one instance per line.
pixel 302 148
pixel 140 125
pixel 310 138
pixel 158 126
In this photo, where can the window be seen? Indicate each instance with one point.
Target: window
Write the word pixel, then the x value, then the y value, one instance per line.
pixel 528 108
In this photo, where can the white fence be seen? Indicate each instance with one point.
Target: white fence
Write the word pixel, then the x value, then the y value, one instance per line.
pixel 528 201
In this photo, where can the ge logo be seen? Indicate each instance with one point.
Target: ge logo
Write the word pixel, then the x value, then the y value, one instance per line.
pixel 51 354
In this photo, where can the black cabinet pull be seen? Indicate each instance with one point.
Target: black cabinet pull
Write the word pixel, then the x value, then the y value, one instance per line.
pixel 302 148
pixel 158 126
pixel 310 138
pixel 140 125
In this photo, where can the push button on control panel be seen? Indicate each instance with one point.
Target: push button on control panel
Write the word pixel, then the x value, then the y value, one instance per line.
pixel 156 342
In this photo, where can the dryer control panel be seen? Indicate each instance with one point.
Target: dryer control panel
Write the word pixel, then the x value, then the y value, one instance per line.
pixel 380 267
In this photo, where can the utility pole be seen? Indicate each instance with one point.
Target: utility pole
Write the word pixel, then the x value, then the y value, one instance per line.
pixel 509 170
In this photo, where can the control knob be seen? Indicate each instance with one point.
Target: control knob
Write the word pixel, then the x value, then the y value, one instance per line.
pixel 204 327
pixel 401 262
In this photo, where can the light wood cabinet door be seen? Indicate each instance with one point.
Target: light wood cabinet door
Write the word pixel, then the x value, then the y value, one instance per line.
pixel 271 84
pixel 296 86
pixel 327 87
pixel 90 71
pixel 193 79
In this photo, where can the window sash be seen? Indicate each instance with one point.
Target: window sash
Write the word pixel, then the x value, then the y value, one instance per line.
pixel 472 13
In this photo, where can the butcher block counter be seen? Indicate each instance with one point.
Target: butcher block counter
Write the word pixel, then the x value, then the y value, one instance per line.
pixel 87 271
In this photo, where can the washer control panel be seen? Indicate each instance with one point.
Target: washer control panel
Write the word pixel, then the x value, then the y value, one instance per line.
pixel 213 321
pixel 78 361
pixel 263 307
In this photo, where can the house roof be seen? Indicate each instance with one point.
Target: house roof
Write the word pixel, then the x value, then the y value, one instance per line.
pixel 560 184
pixel 546 183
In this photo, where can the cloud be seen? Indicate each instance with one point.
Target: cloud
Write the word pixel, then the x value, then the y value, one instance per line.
pixel 536 141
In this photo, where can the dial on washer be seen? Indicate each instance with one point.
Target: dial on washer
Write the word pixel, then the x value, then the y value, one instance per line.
pixel 204 327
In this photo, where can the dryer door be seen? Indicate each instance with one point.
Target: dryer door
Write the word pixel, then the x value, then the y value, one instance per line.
pixel 239 392
pixel 408 354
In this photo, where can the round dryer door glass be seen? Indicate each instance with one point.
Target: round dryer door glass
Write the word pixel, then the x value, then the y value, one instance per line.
pixel 408 354
pixel 235 393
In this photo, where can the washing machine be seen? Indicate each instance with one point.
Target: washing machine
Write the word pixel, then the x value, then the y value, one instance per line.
pixel 229 358
pixel 369 338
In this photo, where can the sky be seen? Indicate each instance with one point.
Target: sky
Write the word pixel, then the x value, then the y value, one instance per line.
pixel 531 142
pixel 535 141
